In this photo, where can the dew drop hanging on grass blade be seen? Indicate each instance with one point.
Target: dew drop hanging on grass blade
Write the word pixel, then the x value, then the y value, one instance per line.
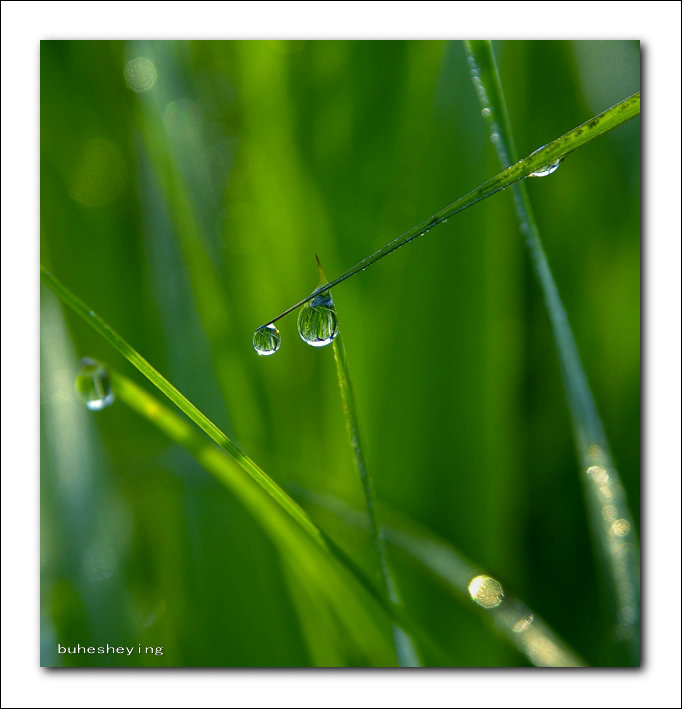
pixel 266 340
pixel 93 385
pixel 317 322
pixel 547 169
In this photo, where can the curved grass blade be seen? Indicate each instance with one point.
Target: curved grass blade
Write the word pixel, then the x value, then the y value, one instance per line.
pixel 251 488
pixel 529 633
pixel 311 563
pixel 181 401
pixel 612 522
pixel 317 566
pixel 546 155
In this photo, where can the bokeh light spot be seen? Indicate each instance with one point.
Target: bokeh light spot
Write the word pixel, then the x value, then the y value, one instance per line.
pixel 620 528
pixel 140 74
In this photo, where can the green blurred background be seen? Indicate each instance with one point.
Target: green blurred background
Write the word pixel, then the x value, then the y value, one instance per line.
pixel 185 189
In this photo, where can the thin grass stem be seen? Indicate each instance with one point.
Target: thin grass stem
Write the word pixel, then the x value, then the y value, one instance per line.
pixel 612 523
pixel 546 155
pixel 407 654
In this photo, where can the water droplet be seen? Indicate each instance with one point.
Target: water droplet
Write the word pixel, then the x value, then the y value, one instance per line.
pixel 266 340
pixel 93 385
pixel 317 323
pixel 547 169
pixel 485 591
pixel 485 112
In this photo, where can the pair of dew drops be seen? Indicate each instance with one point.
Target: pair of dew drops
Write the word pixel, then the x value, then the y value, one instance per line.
pixel 317 326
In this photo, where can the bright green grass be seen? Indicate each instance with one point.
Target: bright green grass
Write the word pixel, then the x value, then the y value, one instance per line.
pixel 243 161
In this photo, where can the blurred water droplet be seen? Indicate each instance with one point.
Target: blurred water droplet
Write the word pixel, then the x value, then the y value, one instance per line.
pixel 99 562
pixel 317 323
pixel 523 623
pixel 266 340
pixel 485 591
pixel 93 385
pixel 547 169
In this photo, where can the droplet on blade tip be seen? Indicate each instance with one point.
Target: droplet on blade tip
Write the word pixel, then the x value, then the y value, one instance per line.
pixel 318 325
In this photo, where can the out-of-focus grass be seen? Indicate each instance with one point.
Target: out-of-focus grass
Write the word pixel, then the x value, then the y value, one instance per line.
pixel 189 213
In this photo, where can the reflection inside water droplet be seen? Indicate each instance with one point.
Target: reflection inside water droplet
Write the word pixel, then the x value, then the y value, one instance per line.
pixel 547 169
pixel 317 322
pixel 485 591
pixel 266 340
pixel 93 385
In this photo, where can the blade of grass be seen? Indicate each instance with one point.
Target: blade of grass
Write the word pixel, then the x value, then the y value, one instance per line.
pixel 407 654
pixel 546 155
pixel 300 524
pixel 181 401
pixel 309 561
pixel 611 520
pixel 170 155
pixel 529 633
pixel 326 564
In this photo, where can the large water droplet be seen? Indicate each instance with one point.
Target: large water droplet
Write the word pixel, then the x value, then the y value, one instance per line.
pixel 266 340
pixel 93 385
pixel 317 323
pixel 547 169
pixel 485 591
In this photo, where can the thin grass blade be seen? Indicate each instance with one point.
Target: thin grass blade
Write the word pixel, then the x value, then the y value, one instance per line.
pixel 612 522
pixel 540 158
pixel 407 654
pixel 465 580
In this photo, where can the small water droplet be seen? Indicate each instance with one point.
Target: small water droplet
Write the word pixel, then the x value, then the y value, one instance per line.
pixel 485 112
pixel 485 591
pixel 93 385
pixel 317 323
pixel 547 169
pixel 266 340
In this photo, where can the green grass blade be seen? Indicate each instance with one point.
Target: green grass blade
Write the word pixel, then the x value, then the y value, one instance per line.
pixel 612 522
pixel 547 154
pixel 513 620
pixel 171 153
pixel 311 563
pixel 407 654
pixel 328 556
pixel 181 401
pixel 316 565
